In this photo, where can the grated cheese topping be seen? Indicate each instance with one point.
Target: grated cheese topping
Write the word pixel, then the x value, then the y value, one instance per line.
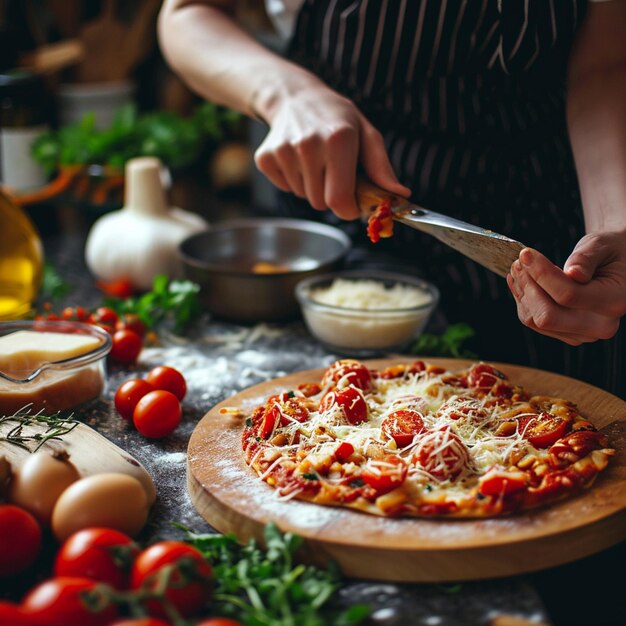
pixel 446 461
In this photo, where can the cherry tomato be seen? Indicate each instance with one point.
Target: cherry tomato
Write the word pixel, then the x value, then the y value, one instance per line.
pixel 128 395
pixel 190 582
pixel 131 321
pixel 105 327
pixel 402 426
pixel 126 346
pixel 579 444
pixel 281 410
pixel 348 372
pixel 344 451
pixel 142 621
pixel 442 454
pixel 385 474
pixel 350 400
pixel 69 600
pixel 102 554
pixel 20 539
pixel 157 414
pixel 499 482
pixel 121 288
pixel 542 430
pixel 483 376
pixel 104 315
pixel 13 615
pixel 168 379
pixel 417 367
pixel 220 621
pixel 78 314
pixel 309 389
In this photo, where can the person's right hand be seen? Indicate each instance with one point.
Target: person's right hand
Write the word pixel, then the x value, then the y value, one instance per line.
pixel 316 140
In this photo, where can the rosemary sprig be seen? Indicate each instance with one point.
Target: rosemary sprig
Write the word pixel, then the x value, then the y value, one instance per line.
pixel 54 427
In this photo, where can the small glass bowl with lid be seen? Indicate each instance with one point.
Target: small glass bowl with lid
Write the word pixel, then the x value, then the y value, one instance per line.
pixel 363 313
pixel 48 376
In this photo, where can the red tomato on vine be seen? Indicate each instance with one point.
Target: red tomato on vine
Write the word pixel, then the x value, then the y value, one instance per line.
pixel 102 554
pixel 69 600
pixel 190 576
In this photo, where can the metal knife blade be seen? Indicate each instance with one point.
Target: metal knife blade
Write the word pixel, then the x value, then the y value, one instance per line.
pixel 494 251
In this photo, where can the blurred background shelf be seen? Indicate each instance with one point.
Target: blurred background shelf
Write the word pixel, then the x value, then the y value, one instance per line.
pixel 90 59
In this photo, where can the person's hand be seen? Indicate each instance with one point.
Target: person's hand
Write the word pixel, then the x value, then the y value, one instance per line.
pixel 316 140
pixel 581 303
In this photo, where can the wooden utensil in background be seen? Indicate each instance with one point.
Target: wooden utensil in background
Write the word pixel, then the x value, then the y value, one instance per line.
pixel 113 48
pixel 53 57
pixel 66 16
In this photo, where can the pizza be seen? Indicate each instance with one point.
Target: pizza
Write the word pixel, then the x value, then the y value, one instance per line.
pixel 417 440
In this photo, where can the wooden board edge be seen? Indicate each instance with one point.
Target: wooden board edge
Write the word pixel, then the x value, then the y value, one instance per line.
pixel 433 566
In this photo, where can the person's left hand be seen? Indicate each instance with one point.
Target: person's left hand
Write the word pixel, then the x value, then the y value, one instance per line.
pixel 581 303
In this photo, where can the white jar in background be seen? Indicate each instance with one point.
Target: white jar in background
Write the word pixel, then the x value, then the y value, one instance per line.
pixel 101 99
pixel 23 117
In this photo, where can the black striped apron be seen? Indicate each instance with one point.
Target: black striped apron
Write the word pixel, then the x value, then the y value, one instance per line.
pixel 469 95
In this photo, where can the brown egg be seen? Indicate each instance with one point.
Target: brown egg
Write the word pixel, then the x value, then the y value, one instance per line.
pixel 39 482
pixel 116 501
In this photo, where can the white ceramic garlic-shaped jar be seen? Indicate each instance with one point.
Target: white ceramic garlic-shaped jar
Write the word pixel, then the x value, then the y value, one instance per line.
pixel 140 240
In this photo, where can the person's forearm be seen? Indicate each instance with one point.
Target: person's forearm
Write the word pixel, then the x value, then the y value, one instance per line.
pixel 224 64
pixel 597 126
pixel 596 114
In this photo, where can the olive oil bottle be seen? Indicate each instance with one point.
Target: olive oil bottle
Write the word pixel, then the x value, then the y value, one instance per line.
pixel 21 261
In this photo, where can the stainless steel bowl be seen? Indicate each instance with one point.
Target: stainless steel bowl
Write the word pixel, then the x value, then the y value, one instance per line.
pixel 222 261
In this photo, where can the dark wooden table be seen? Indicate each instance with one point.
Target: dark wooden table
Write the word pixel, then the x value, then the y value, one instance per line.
pixel 219 359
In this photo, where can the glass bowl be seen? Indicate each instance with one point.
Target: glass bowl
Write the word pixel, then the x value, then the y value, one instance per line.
pixel 31 380
pixel 370 328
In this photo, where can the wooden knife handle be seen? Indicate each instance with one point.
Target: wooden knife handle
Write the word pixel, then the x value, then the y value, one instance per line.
pixel 369 196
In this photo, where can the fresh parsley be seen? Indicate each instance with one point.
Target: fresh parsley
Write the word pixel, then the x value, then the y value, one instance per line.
pixel 265 587
pixel 53 286
pixel 177 141
pixel 176 301
pixel 448 344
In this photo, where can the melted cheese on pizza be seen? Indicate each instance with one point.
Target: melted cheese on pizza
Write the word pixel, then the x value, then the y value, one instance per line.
pixel 416 438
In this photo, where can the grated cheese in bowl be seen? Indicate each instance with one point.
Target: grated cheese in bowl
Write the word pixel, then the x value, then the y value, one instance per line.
pixel 370 295
pixel 363 313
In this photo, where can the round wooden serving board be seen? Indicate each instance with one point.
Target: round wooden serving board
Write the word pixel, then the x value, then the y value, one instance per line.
pixel 228 494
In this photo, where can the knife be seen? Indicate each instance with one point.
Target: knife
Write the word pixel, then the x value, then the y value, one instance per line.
pixel 494 251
